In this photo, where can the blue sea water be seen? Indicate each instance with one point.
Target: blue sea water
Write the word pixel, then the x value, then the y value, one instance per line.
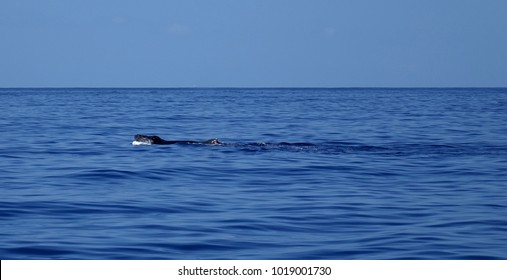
pixel 302 174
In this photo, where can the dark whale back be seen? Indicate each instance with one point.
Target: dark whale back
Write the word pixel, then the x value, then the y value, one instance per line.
pixel 156 140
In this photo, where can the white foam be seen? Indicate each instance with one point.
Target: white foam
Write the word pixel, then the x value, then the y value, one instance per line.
pixel 137 143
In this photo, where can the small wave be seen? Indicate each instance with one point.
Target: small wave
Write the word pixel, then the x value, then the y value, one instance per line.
pixel 102 174
pixel 138 143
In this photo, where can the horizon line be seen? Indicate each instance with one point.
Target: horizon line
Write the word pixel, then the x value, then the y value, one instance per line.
pixel 261 87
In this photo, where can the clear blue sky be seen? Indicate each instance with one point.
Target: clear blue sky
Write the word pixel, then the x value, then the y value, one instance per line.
pixel 253 43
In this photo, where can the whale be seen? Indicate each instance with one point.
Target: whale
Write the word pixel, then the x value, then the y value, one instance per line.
pixel 140 139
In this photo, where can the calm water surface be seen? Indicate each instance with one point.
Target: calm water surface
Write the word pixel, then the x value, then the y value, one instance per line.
pixel 303 174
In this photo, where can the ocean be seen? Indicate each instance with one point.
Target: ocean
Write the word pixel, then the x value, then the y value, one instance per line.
pixel 353 173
